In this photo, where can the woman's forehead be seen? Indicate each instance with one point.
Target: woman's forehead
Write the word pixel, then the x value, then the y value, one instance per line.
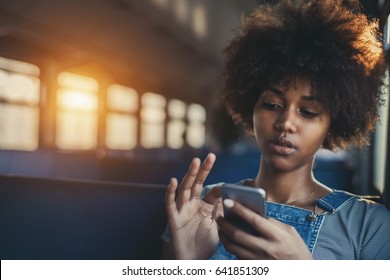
pixel 301 84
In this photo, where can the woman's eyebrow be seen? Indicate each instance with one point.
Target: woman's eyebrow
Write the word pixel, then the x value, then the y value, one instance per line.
pixel 277 91
pixel 281 93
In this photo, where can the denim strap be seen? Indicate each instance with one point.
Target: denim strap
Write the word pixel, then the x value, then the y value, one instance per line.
pixel 335 200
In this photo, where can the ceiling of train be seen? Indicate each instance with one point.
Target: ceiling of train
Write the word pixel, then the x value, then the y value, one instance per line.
pixel 168 46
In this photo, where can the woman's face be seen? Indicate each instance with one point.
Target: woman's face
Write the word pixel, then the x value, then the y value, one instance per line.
pixel 289 125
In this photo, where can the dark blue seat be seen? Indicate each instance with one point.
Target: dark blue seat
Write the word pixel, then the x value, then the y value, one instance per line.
pixel 72 219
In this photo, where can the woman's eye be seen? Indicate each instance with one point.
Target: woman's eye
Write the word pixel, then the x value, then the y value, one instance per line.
pixel 271 106
pixel 308 114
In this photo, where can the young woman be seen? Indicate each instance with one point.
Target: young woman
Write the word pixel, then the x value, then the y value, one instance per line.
pixel 300 75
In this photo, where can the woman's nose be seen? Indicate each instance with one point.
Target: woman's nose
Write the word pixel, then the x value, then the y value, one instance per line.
pixel 287 122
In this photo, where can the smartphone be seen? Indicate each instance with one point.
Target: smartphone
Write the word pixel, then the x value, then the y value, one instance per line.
pixel 251 197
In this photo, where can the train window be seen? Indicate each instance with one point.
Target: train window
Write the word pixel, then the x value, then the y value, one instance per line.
pixel 381 130
pixel 181 10
pixel 196 130
pixel 152 120
pixel 19 105
pixel 77 103
pixel 176 129
pixel 121 123
pixel 189 15
pixel 380 144
pixel 199 20
pixel 161 3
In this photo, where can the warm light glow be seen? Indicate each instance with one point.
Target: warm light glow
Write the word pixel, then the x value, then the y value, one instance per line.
pixel 16 87
pixel 380 141
pixel 152 135
pixel 153 114
pixel 196 134
pixel 176 127
pixel 176 109
pixel 196 130
pixel 77 100
pixel 74 81
pixel 181 10
pixel 19 67
pixel 153 108
pixel 3 83
pixel 76 131
pixel 121 122
pixel 18 127
pixel 152 120
pixel 176 134
pixel 153 100
pixel 387 33
pixel 24 88
pixel 122 98
pixel 121 131
pixel 19 112
pixel 196 112
pixel 199 20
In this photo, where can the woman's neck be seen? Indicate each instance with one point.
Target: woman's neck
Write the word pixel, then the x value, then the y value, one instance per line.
pixel 298 188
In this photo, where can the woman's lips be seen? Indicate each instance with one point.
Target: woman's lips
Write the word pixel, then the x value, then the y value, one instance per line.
pixel 282 146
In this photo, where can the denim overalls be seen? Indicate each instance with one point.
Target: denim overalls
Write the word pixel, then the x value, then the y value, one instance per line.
pixel 307 223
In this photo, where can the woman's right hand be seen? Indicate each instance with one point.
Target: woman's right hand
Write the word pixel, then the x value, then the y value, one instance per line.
pixel 192 226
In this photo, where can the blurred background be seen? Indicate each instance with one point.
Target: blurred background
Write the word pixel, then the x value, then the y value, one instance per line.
pixel 128 91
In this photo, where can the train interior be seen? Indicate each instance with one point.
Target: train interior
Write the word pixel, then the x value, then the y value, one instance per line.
pixel 103 101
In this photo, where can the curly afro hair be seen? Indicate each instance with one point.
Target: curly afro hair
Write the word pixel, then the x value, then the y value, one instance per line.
pixel 329 42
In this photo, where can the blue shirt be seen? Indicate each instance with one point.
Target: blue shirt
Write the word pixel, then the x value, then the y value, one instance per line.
pixel 351 228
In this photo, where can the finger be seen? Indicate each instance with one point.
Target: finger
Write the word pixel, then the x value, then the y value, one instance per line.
pixel 203 172
pixel 213 195
pixel 235 249
pixel 279 224
pixel 238 242
pixel 232 232
pixel 184 192
pixel 170 195
pixel 217 210
pixel 261 224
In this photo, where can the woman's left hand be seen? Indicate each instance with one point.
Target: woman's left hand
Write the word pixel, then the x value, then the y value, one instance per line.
pixel 275 241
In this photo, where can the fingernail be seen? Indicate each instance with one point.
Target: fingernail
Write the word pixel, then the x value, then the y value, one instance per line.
pixel 211 155
pixel 228 203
